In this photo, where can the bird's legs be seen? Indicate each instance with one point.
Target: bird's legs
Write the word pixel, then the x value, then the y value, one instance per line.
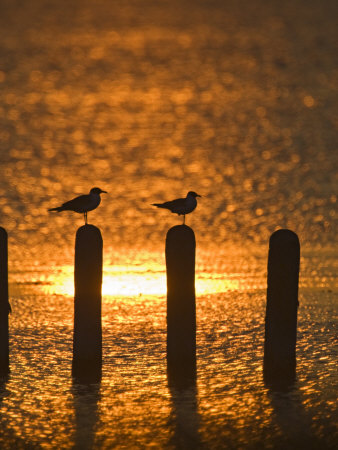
pixel 183 219
pixel 85 217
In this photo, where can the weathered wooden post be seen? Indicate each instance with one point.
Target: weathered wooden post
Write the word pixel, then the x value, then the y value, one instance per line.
pixel 281 308
pixel 181 308
pixel 87 344
pixel 4 304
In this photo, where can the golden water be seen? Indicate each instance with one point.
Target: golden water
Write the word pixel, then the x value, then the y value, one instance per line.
pixel 147 100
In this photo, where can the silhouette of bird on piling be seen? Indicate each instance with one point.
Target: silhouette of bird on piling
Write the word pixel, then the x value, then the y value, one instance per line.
pixel 180 206
pixel 83 203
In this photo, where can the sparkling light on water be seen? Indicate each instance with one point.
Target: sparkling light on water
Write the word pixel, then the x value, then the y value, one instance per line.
pixel 147 100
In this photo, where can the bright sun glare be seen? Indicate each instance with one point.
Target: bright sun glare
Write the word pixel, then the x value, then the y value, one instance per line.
pixel 122 281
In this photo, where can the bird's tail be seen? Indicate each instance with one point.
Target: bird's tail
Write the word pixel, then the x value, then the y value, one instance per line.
pixel 158 205
pixel 58 209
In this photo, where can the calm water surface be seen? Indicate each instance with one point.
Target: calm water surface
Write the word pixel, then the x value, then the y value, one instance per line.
pixel 235 100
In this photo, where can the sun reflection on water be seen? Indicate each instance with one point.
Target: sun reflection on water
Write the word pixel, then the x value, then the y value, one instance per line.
pixel 124 281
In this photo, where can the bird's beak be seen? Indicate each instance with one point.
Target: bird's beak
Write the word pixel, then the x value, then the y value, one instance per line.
pixel 198 195
pixel 104 192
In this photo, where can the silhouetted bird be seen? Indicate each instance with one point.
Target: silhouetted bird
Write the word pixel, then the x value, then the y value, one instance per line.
pixel 83 203
pixel 181 206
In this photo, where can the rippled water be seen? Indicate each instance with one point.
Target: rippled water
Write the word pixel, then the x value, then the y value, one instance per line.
pixel 235 100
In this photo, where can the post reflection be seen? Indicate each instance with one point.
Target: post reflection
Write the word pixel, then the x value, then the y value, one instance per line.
pixel 7 432
pixel 184 419
pixel 3 390
pixel 86 398
pixel 291 417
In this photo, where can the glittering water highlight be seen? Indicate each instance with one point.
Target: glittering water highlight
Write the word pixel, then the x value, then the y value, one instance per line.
pixel 148 100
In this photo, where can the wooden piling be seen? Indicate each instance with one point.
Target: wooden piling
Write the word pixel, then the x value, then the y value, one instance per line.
pixel 181 308
pixel 4 304
pixel 281 308
pixel 87 343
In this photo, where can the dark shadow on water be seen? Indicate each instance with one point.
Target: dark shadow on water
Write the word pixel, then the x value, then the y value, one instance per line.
pixel 3 390
pixel 86 398
pixel 184 419
pixel 8 436
pixel 291 418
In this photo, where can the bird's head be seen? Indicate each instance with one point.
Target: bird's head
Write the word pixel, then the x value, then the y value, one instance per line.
pixel 193 194
pixel 97 191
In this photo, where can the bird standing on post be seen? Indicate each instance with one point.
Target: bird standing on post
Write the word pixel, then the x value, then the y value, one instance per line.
pixel 180 206
pixel 83 203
